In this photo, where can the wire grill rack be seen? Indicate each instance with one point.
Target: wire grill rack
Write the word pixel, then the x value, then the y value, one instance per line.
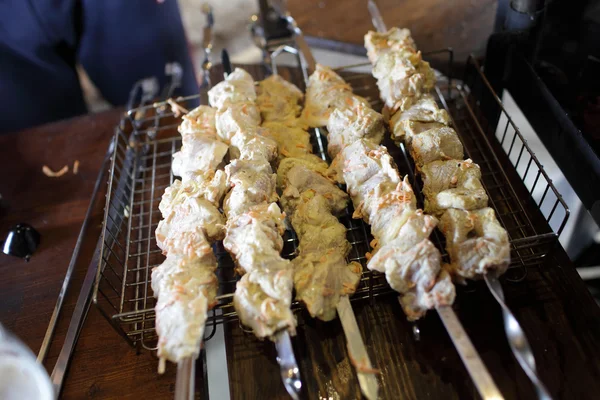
pixel 147 137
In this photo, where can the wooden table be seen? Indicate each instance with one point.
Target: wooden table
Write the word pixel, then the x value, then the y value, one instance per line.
pixel 464 25
pixel 558 314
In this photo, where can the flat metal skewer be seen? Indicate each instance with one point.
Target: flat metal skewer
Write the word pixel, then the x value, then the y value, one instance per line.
pixel 184 383
pixel 357 351
pixel 290 373
pixel 476 368
pixel 516 337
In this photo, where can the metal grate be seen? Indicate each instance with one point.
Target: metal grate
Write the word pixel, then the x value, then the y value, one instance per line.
pixel 141 169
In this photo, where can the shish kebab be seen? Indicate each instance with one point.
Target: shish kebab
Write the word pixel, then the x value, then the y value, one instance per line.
pixel 323 279
pixel 402 250
pixel 475 240
pixel 255 223
pixel 477 243
pixel 185 283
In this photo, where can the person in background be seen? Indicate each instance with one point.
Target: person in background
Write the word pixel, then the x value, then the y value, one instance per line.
pixel 117 42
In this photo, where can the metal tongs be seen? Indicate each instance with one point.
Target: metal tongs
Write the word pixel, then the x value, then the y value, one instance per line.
pixel 280 7
pixel 516 336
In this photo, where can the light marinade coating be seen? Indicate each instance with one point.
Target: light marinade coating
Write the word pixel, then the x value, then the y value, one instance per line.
pixel 436 144
pixel 378 43
pixel 321 273
pixel 386 202
pixel 237 88
pixel 208 185
pixel 325 92
pixel 235 118
pixel 279 100
pixel 402 78
pixel 475 241
pixel 179 229
pixel 347 125
pixel 186 291
pixel 185 283
pixel 452 184
pixel 423 115
pixel 201 149
pixel 452 187
pixel 402 249
pixel 300 179
pixel 292 141
pixel 264 293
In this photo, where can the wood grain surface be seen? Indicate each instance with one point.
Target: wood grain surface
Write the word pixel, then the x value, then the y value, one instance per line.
pixel 464 25
pixel 558 314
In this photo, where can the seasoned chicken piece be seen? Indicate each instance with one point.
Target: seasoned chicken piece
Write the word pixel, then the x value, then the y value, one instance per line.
pixel 252 182
pixel 402 77
pixel 321 279
pixel 198 122
pixel 177 262
pixel 202 154
pixel 476 242
pixel 316 227
pixel 394 39
pixel 421 116
pixel 364 161
pixel 394 214
pixel 180 231
pixel 279 100
pixel 327 91
pixel 436 144
pixel 186 290
pixel 291 141
pixel 237 88
pixel 325 77
pixel 209 185
pixel 264 314
pixel 300 179
pixel 253 147
pixel 416 302
pixel 310 161
pixel 235 118
pixel 413 269
pixel 347 125
pixel 254 237
pixel 452 184
pixel 319 106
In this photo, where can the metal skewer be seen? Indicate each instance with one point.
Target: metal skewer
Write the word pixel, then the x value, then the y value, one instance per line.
pixel 516 337
pixel 475 366
pixel 184 383
pixel 290 373
pixel 356 349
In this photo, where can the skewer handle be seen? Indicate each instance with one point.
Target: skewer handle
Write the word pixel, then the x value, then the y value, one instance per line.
pixel 516 337
pixel 356 349
pixel 477 370
pixel 290 373
pixel 184 384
